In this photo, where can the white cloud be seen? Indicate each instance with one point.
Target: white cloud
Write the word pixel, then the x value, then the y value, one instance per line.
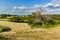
pixel 51 4
pixel 53 0
pixel 57 5
pixel 50 7
pixel 54 3
pixel 48 4
pixel 30 11
pixel 50 10
pixel 26 9
pixel 53 10
pixel 20 7
pixel 36 5
pixel 15 7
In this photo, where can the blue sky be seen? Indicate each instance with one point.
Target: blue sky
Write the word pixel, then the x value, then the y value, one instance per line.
pixel 21 7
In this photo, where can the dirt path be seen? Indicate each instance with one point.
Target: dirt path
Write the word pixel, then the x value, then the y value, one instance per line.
pixel 15 26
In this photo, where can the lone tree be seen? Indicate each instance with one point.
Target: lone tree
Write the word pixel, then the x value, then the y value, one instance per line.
pixel 38 18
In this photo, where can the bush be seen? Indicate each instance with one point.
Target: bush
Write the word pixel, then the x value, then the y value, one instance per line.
pixel 30 21
pixel 25 21
pixel 47 24
pixel 15 19
pixel 52 22
pixel 2 29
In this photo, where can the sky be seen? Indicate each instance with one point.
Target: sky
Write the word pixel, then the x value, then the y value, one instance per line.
pixel 25 7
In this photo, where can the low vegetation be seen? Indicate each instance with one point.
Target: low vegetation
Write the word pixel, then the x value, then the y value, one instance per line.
pixel 4 29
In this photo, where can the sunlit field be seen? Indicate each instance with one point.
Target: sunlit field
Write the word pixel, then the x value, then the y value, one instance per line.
pixel 23 28
pixel 29 19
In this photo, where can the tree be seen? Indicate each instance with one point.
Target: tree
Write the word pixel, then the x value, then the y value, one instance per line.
pixel 5 15
pixel 15 19
pixel 38 17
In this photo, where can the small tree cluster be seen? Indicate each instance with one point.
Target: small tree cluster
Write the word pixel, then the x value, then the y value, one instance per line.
pixel 15 19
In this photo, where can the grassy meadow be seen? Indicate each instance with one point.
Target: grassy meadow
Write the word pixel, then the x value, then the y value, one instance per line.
pixel 30 27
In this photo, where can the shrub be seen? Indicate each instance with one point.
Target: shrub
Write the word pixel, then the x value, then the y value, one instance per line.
pixel 2 29
pixel 25 21
pixel 53 22
pixel 15 19
pixel 30 21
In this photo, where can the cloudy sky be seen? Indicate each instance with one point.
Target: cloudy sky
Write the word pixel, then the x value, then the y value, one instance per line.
pixel 24 7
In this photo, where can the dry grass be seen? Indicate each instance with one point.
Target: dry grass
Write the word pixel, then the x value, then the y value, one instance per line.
pixel 32 34
pixel 41 34
pixel 15 26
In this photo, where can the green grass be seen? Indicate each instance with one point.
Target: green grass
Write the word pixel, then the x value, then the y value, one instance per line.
pixel 46 26
pixel 4 19
pixel 2 29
